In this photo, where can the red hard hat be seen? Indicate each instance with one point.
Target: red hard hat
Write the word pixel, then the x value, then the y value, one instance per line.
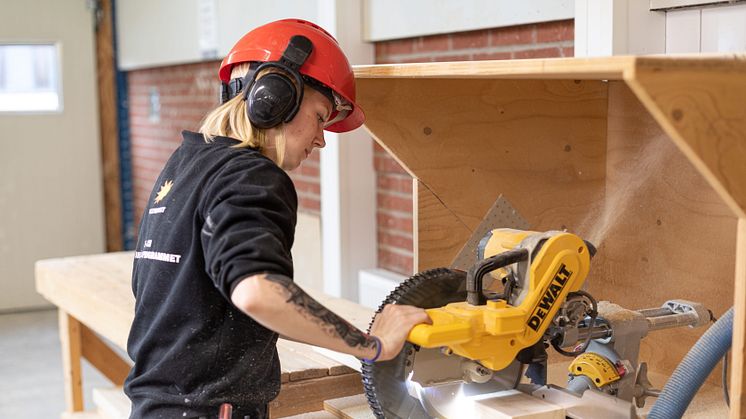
pixel 326 64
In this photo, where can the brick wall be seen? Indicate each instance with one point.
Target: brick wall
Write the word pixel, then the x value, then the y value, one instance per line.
pixel 307 184
pixel 394 185
pixel 187 93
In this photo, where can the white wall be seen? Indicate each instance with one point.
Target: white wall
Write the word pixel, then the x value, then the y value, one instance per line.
pixel 618 27
pixel 714 29
pixel 51 188
pixel 395 19
pixel 168 32
pixel 622 27
pixel 307 252
pixel 348 195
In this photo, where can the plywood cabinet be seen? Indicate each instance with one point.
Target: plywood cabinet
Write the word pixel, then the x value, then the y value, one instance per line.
pixel 643 156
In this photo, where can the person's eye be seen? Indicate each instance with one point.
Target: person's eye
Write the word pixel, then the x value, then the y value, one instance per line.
pixel 321 118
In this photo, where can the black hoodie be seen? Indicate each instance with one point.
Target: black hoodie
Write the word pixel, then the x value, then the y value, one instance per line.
pixel 217 214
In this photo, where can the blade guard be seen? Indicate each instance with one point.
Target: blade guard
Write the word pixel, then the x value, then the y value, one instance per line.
pixel 494 333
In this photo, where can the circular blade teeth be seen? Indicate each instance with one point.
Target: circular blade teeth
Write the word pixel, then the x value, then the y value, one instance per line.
pixel 385 383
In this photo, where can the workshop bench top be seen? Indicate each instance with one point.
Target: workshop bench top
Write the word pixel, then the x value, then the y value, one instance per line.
pixel 96 291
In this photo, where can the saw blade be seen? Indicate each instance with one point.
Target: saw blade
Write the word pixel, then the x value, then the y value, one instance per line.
pixel 455 398
pixel 389 387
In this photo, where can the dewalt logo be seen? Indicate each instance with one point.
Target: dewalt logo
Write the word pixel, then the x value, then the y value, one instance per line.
pixel 549 298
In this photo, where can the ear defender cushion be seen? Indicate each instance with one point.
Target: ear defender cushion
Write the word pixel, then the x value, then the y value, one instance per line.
pixel 274 98
pixel 271 100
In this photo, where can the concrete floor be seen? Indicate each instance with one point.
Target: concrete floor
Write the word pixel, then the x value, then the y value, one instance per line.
pixel 31 367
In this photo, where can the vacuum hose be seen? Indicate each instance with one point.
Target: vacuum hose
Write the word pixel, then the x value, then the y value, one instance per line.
pixel 694 369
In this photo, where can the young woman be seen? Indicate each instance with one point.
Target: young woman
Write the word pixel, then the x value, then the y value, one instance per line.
pixel 213 270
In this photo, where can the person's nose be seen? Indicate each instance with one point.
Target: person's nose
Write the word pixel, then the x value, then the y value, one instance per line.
pixel 319 140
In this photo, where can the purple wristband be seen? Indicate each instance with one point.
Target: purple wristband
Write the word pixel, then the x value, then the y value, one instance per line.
pixel 378 351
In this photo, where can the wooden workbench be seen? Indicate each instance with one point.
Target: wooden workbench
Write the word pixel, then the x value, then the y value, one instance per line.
pixel 643 156
pixel 94 297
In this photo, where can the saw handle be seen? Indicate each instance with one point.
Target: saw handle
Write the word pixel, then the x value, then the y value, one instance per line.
pixel 429 336
pixel 474 277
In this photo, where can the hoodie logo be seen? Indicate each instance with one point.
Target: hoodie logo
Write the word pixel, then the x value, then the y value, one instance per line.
pixel 165 189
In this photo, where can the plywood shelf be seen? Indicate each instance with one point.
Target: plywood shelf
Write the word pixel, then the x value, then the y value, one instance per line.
pixel 606 68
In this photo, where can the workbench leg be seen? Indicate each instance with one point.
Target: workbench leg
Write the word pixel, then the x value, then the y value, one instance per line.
pixel 70 338
pixel 738 352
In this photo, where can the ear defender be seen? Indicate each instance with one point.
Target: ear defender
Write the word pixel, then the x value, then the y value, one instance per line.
pixel 276 97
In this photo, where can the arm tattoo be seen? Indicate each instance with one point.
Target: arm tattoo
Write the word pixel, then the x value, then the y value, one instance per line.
pixel 314 311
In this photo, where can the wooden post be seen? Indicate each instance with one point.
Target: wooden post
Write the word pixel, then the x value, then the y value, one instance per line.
pixel 107 98
pixel 70 338
pixel 737 384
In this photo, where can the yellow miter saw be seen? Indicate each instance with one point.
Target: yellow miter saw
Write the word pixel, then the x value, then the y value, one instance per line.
pixel 493 323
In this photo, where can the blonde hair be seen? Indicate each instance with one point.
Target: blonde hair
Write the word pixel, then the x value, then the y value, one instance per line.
pixel 230 120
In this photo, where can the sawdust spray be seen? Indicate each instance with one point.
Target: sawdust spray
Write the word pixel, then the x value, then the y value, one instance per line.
pixel 627 178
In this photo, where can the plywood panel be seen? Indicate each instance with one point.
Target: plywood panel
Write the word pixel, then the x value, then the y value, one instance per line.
pixel 699 104
pixel 738 351
pixel 539 143
pixel 663 233
pixel 438 230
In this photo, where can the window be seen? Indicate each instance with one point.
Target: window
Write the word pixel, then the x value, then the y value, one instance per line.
pixel 29 78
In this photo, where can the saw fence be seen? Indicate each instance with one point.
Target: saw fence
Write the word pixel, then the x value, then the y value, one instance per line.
pixel 644 157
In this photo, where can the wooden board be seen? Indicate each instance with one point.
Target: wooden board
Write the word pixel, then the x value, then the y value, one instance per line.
pixel 333 367
pixel 107 105
pixel 309 395
pixel 662 231
pixel 321 414
pixel 607 68
pixel 738 351
pixel 94 289
pixel 71 370
pixel 299 361
pixel 82 415
pixel 438 231
pixel 700 106
pixel 541 144
pixel 102 357
pixel 352 407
